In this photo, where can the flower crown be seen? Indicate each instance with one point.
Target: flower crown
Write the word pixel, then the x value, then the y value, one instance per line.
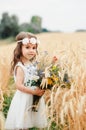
pixel 32 40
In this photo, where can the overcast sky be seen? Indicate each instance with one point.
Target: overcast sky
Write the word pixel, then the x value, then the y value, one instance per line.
pixel 63 15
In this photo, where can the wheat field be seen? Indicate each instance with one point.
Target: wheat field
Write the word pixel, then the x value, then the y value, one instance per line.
pixel 67 106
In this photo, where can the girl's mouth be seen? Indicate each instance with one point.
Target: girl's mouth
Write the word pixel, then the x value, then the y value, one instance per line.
pixel 31 54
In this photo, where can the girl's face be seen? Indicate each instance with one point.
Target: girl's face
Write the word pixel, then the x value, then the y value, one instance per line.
pixel 29 51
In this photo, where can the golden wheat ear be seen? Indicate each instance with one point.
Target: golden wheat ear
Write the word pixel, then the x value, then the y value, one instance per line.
pixel 2 121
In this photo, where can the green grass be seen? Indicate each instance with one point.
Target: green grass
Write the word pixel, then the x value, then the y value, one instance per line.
pixel 6 104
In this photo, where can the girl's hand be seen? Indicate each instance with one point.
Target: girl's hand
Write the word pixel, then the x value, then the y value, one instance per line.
pixel 38 92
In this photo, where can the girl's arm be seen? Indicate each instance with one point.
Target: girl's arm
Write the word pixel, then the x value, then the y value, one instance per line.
pixel 20 84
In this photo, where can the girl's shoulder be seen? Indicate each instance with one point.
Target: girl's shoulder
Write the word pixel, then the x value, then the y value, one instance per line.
pixel 19 64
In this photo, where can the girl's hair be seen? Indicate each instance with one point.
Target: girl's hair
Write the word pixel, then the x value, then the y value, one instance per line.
pixel 18 50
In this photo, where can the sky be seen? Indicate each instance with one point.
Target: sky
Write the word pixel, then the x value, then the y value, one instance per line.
pixel 57 15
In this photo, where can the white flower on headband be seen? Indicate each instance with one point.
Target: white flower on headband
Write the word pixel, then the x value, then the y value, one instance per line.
pixel 33 40
pixel 25 41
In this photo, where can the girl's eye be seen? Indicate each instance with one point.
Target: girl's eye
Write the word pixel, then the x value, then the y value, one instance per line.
pixel 34 48
pixel 27 47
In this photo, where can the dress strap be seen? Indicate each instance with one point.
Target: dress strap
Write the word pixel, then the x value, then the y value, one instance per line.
pixel 20 65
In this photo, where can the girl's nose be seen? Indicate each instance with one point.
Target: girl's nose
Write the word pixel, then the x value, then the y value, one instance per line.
pixel 31 50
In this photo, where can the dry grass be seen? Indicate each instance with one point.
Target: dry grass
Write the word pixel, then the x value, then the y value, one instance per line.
pixel 68 106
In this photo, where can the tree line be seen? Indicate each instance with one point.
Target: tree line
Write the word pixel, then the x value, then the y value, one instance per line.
pixel 9 25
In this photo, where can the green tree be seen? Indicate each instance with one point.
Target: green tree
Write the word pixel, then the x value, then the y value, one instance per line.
pixel 8 26
pixel 5 25
pixel 35 24
pixel 14 25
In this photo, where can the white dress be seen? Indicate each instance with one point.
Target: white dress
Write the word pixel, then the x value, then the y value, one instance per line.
pixel 20 114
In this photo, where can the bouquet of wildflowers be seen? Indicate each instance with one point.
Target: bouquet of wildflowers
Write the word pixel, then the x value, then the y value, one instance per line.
pixel 46 80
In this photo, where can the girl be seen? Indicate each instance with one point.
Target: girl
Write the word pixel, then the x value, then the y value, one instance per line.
pixel 20 115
